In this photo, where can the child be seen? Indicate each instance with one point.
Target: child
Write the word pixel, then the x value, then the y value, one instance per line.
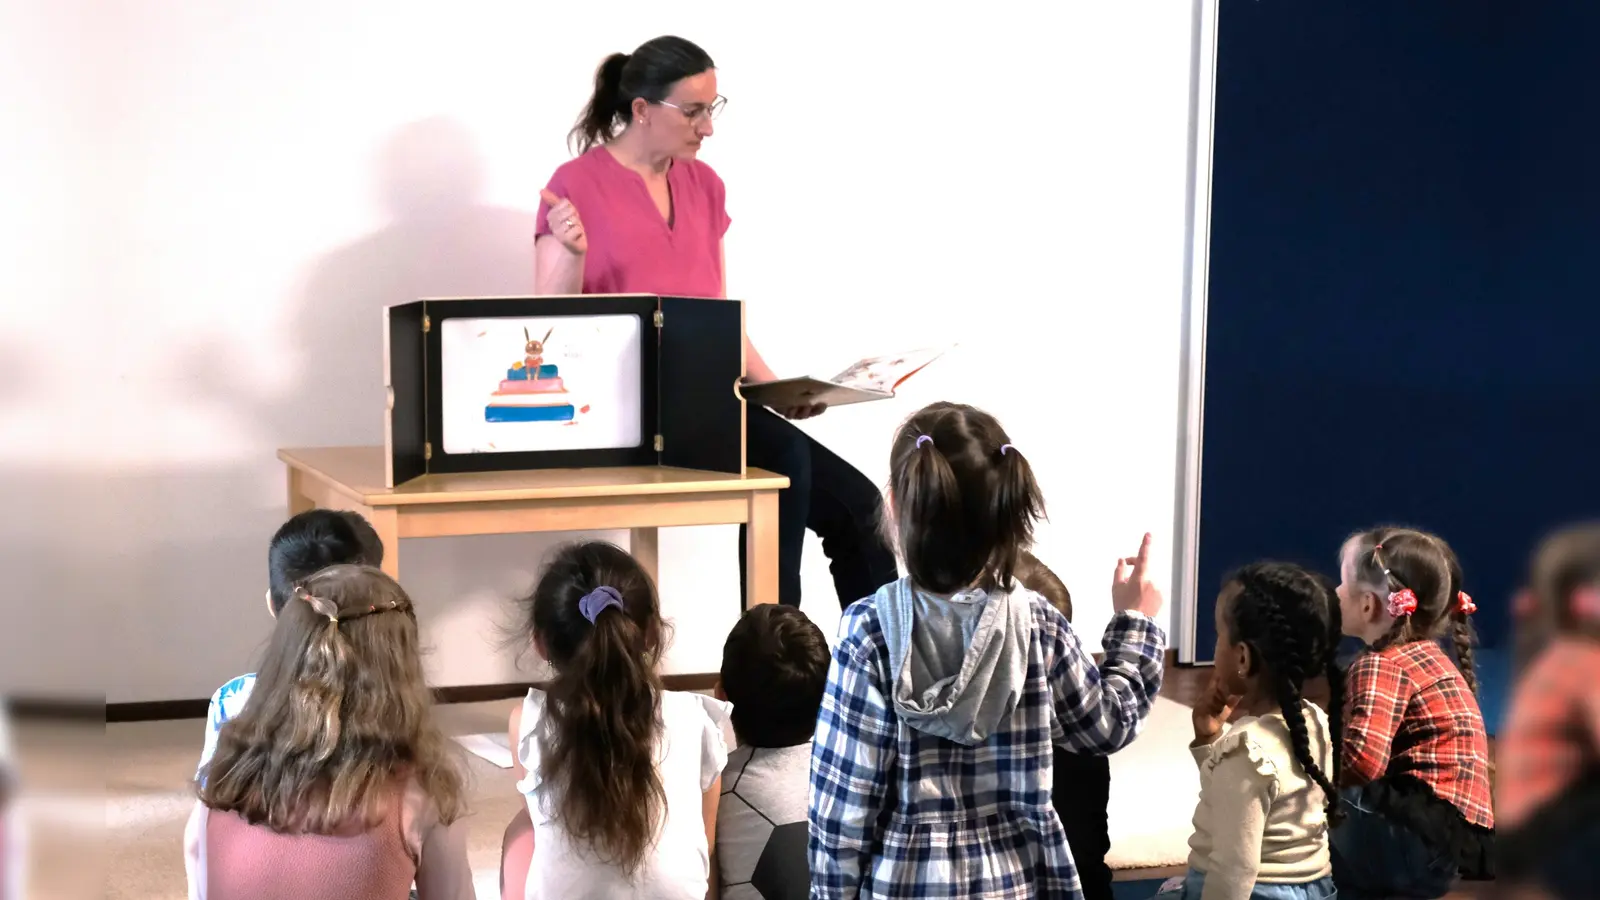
pixel 774 669
pixel 621 777
pixel 333 782
pixel 1415 753
pixel 931 761
pixel 1549 774
pixel 1080 788
pixel 1267 786
pixel 307 543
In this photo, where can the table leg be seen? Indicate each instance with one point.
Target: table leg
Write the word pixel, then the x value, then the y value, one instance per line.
pixel 761 548
pixel 645 545
pixel 386 522
pixel 299 501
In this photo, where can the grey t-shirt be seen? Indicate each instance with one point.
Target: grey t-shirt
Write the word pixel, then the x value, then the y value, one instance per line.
pixel 761 823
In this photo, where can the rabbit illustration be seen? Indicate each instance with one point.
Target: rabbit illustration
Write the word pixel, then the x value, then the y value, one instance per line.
pixel 534 351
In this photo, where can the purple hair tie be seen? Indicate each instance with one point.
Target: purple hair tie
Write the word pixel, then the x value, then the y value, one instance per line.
pixel 595 602
pixel 1004 448
pixel 921 438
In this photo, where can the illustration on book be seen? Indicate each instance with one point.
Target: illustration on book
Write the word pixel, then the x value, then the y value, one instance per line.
pixel 572 383
pixel 885 374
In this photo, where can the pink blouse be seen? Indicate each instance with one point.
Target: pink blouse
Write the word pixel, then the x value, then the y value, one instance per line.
pixel 632 249
pixel 226 858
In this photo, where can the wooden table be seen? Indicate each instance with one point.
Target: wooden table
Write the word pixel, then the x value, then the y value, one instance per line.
pixel 641 499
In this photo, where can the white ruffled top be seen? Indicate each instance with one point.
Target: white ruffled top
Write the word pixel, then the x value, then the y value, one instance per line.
pixel 1260 816
pixel 691 755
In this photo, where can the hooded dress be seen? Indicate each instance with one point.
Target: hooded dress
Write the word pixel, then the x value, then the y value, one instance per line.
pixel 931 764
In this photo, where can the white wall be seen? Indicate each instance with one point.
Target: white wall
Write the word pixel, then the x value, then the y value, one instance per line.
pixel 260 179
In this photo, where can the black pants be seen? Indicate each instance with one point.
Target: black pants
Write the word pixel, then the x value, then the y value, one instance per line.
pixel 828 496
pixel 1081 793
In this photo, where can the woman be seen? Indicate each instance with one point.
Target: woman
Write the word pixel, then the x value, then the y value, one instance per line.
pixel 635 212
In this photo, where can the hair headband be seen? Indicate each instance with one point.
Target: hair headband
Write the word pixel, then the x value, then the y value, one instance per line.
pixel 597 600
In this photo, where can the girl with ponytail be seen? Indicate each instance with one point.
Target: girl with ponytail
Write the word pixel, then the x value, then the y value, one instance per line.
pixel 334 782
pixel 1415 752
pixel 1267 785
pixel 932 763
pixel 621 777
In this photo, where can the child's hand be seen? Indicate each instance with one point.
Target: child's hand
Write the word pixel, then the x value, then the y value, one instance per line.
pixel 1212 712
pixel 1132 590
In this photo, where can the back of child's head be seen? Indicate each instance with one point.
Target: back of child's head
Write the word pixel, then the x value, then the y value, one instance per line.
pixel 1392 561
pixel 963 500
pixel 340 711
pixel 1037 577
pixel 774 672
pixel 595 616
pixel 1562 592
pixel 314 540
pixel 1289 618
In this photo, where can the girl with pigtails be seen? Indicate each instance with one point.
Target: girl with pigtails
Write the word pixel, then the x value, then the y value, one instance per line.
pixel 333 782
pixel 932 762
pixel 1415 755
pixel 1267 784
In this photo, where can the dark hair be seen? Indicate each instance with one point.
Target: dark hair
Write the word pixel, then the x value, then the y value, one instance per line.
pixel 1289 619
pixel 774 671
pixel 965 501
pixel 648 74
pixel 1391 559
pixel 1566 561
pixel 602 719
pixel 340 714
pixel 315 540
pixel 1037 577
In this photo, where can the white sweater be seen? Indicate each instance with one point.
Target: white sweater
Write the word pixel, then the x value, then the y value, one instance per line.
pixel 1260 816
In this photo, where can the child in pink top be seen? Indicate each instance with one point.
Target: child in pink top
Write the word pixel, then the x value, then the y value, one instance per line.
pixel 333 781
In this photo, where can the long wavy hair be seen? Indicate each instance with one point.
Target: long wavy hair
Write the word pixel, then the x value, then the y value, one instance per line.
pixel 602 721
pixel 340 716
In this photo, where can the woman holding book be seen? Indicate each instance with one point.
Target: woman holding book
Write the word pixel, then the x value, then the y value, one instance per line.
pixel 636 212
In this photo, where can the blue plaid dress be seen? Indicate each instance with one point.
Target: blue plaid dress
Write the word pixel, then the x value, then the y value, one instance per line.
pixel 898 813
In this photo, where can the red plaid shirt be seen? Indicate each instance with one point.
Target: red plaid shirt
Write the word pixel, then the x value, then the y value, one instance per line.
pixel 1554 732
pixel 1407 712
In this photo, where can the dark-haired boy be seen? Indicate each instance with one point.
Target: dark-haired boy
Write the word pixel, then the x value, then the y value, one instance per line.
pixel 774 672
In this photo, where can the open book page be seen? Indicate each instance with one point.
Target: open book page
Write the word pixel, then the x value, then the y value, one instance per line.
pixel 886 373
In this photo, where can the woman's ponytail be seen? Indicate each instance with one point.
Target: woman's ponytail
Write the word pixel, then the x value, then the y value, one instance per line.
pixel 598 123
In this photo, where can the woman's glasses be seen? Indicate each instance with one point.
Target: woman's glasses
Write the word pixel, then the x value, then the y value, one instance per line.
pixel 694 111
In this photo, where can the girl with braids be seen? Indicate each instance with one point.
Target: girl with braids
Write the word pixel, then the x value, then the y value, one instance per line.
pixel 1266 785
pixel 1415 753
pixel 621 776
pixel 333 781
pixel 931 762
pixel 1548 795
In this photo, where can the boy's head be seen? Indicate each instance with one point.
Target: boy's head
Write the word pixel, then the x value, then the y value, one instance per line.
pixel 774 670
pixel 313 541
pixel 1037 577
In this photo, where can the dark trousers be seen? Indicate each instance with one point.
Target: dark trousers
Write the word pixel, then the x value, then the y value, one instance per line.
pixel 826 495
pixel 1080 791
pixel 1376 857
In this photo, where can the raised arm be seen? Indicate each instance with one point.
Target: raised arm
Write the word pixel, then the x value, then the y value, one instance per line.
pixel 560 246
pixel 851 759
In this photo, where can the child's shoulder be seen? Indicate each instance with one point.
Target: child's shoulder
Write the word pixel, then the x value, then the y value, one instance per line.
pixel 228 700
pixel 1265 743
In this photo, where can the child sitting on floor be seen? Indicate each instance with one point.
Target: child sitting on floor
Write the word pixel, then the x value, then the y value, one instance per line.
pixel 1266 786
pixel 1548 796
pixel 774 669
pixel 621 777
pixel 1080 787
pixel 302 546
pixel 932 754
pixel 334 782
pixel 1415 752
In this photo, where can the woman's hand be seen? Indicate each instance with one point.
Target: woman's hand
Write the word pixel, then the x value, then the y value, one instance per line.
pixel 1132 591
pixel 1212 712
pixel 802 412
pixel 565 224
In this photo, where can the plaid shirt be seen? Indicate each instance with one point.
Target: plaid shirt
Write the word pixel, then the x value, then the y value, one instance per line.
pixel 1408 712
pixel 1553 735
pixel 898 813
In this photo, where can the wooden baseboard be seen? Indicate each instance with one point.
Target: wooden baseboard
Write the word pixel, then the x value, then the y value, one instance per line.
pixel 60 709
pixel 160 710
